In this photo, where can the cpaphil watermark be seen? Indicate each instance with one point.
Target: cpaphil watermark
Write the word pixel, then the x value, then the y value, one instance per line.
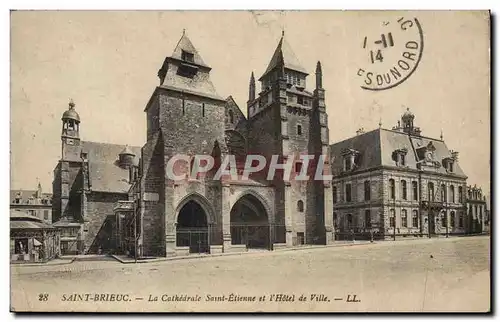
pixel 391 53
pixel 305 167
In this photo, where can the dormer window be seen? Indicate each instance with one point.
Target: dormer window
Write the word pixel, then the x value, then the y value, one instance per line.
pixel 187 56
pixel 448 164
pixel 399 156
pixel 350 159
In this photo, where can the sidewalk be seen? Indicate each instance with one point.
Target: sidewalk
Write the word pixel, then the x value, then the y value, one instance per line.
pixel 128 260
pixel 57 261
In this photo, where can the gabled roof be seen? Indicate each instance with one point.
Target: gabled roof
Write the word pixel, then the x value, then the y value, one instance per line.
pixel 186 45
pixel 105 174
pixel 284 54
pixel 376 148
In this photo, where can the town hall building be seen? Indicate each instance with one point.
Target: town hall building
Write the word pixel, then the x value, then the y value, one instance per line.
pixel 124 201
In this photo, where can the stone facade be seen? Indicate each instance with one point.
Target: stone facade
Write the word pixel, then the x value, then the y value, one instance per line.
pixel 34 202
pixel 186 116
pixel 477 211
pixel 397 182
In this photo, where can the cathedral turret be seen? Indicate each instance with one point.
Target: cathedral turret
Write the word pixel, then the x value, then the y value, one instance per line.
pixel 126 157
pixel 70 135
pixel 71 122
pixel 319 76
pixel 251 90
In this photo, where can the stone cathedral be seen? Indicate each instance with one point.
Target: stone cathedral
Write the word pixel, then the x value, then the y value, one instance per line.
pixel 124 201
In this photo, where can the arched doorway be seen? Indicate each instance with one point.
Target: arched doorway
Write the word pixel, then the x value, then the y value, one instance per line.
pixel 192 228
pixel 250 223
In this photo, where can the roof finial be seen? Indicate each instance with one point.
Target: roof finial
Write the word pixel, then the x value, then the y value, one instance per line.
pixel 282 31
pixel 71 104
pixel 184 31
pixel 380 123
pixel 441 136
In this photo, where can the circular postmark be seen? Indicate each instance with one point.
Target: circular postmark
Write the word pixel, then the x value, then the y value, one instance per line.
pixel 391 54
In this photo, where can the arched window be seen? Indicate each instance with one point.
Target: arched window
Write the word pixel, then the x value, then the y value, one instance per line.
pixel 460 219
pixel 430 188
pixel 404 191
pixel 414 218
pixel 443 192
pixel 404 218
pixel 300 206
pixel 299 129
pixel 444 217
pixel 392 189
pixel 460 194
pixel 231 116
pixel 348 197
pixel 414 185
pixel 392 218
pixel 452 193
pixel 452 219
pixel 367 190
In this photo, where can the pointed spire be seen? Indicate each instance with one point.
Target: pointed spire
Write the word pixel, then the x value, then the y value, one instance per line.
pixel 251 90
pixel 284 57
pixel 71 104
pixel 185 50
pixel 319 76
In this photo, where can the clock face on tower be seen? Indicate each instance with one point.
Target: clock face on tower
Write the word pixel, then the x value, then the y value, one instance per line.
pixel 70 141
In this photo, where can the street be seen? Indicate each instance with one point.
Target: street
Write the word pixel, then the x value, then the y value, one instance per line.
pixel 446 274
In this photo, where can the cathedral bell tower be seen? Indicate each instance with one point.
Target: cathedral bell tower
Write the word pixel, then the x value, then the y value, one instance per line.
pixel 70 135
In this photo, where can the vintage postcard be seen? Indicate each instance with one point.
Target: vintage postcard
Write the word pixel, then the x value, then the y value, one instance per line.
pixel 250 161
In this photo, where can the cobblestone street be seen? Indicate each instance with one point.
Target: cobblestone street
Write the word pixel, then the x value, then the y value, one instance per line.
pixel 412 275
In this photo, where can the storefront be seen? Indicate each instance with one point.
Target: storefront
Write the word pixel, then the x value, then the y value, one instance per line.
pixel 32 240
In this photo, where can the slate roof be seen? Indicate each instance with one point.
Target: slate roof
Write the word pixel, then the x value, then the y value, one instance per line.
pixel 376 148
pixel 199 84
pixel 26 194
pixel 186 45
pixel 105 173
pixel 21 219
pixel 285 54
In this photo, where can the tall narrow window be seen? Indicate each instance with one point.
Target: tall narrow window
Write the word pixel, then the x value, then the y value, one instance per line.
pixel 368 219
pixel 347 163
pixel 392 218
pixel 203 109
pixel 443 193
pixel 430 189
pixel 298 166
pixel 404 190
pixel 300 206
pixel 392 189
pixel 444 215
pixel 299 129
pixel 367 190
pixel 334 190
pixel 403 159
pixel 414 218
pixel 183 106
pixel 348 192
pixel 349 221
pixel 452 194
pixel 404 218
pixel 335 219
pixel 460 219
pixel 415 190
pixel 452 219
pixel 231 116
pixel 460 194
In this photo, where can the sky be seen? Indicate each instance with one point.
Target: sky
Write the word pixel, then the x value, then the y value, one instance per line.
pixel 107 62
